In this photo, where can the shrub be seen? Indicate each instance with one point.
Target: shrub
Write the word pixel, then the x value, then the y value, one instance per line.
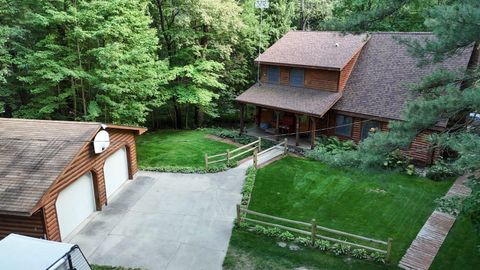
pixel 303 240
pixel 450 205
pixel 174 169
pixel 333 144
pixel 397 160
pixel 323 245
pixel 274 232
pixel 259 229
pixel 377 257
pixel 287 236
pixel 236 137
pixel 361 254
pixel 337 158
pixel 441 170
pixel 248 185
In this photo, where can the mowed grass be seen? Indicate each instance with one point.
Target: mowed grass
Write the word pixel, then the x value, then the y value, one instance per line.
pixel 371 204
pixel 461 249
pixel 185 148
pixel 250 251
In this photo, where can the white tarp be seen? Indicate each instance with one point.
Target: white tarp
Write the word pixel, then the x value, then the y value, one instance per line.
pixel 26 253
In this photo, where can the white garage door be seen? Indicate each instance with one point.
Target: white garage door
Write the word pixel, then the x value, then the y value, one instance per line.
pixel 115 171
pixel 75 203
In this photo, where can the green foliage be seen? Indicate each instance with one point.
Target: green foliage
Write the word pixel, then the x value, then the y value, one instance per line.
pixel 248 185
pixel 449 204
pixel 176 169
pixel 471 204
pixel 83 60
pixel 380 15
pixel 323 245
pixel 234 136
pixel 441 170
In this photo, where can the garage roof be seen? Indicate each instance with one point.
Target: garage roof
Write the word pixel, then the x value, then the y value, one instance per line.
pixel 33 154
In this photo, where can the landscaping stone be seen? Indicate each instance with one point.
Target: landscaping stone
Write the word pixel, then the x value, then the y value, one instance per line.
pixel 294 247
pixel 282 244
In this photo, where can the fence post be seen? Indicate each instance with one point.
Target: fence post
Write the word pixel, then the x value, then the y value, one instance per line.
pixel 206 161
pixel 259 144
pixel 255 158
pixel 285 150
pixel 238 215
pixel 228 157
pixel 389 249
pixel 314 231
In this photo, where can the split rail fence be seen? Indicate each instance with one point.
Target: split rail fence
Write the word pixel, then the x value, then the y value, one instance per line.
pixel 312 230
pixel 255 148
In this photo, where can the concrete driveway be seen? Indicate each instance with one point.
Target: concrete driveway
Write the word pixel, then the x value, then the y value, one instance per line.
pixel 165 221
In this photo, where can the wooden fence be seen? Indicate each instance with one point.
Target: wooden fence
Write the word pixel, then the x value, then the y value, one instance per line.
pixel 312 230
pixel 254 147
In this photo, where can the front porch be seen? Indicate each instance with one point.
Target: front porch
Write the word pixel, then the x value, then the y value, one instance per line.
pixel 304 141
pixel 299 129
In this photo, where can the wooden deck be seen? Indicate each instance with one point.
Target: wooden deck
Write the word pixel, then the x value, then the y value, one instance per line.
pixel 424 248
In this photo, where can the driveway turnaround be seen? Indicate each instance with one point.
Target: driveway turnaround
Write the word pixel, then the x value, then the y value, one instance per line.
pixel 165 221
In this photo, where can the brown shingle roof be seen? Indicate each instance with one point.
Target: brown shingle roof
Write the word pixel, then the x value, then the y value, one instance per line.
pixel 314 49
pixel 295 99
pixel 33 153
pixel 378 83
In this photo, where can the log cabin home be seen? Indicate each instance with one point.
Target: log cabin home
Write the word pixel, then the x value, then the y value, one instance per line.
pixel 347 86
pixel 52 178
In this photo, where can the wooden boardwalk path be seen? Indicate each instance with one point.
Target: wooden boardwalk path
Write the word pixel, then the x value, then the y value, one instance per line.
pixel 424 248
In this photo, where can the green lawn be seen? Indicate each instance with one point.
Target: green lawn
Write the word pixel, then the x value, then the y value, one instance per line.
pixel 250 251
pixel 460 249
pixel 376 205
pixel 175 148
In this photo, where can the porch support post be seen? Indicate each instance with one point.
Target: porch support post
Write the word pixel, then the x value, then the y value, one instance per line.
pixel 312 131
pixel 242 115
pixel 258 115
pixel 277 123
pixel 297 127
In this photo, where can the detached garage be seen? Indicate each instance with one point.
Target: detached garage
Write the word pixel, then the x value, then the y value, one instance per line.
pixel 55 174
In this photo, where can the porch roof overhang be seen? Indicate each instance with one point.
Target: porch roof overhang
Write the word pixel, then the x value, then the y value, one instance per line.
pixel 292 99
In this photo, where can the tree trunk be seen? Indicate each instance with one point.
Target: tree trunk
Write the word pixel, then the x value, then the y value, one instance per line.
pixel 178 114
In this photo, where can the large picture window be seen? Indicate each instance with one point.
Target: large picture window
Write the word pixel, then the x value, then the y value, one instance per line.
pixel 296 77
pixel 343 125
pixel 273 74
pixel 369 126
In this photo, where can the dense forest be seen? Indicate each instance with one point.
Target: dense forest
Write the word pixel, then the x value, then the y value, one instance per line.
pixel 159 63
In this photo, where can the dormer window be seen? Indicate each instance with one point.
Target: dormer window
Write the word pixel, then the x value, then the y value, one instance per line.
pixel 273 74
pixel 296 77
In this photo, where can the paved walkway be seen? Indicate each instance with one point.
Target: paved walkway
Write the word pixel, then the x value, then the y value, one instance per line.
pixel 424 248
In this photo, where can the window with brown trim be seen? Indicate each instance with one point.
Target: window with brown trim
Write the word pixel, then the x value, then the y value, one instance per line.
pixel 343 125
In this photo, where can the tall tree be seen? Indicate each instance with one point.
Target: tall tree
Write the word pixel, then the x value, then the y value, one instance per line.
pixel 196 39
pixel 90 60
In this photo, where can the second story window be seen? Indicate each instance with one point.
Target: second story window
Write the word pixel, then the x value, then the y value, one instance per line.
pixel 296 76
pixel 273 74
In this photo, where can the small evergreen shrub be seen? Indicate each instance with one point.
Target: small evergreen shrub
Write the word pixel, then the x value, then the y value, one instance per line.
pixel 441 170
pixel 450 205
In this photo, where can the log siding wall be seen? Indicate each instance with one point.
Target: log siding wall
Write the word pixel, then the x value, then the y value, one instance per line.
pixel 313 78
pixel 85 161
pixel 30 226
pixel 346 71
